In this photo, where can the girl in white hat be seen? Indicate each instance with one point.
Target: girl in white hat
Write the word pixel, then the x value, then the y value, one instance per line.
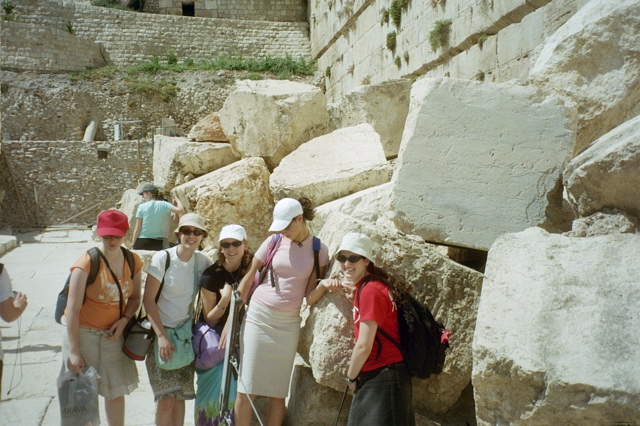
pixel 376 372
pixel 271 327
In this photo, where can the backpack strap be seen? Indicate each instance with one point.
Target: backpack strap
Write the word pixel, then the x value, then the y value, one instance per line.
pixel 94 268
pixel 115 279
pixel 271 251
pixel 130 260
pixel 167 261
pixel 316 256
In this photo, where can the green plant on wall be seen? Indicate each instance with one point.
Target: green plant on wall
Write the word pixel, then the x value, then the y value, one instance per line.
pixel 397 61
pixel 384 16
pixel 70 29
pixel 439 35
pixel 7 10
pixel 391 41
pixel 172 59
pixel 435 3
pixel 479 76
pixel 365 80
pixel 327 71
pixel 395 13
pixel 483 37
pixel 406 57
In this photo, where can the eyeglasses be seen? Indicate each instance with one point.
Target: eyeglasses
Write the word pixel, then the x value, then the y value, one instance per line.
pixel 227 244
pixel 353 258
pixel 111 237
pixel 189 231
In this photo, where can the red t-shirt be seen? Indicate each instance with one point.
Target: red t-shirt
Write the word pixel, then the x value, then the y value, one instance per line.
pixel 376 304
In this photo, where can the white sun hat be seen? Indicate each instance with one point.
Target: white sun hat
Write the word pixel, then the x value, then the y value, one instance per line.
pixel 356 243
pixel 284 212
pixel 235 232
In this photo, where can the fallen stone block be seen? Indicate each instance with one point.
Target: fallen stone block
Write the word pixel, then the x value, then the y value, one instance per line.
pixel 478 160
pixel 558 331
pixel 208 129
pixel 332 166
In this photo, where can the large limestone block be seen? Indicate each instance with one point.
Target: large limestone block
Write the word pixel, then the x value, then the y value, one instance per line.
pixel 478 160
pixel 607 174
pixel 175 158
pixel 238 193
pixel 558 331
pixel 384 106
pixel 312 404
pixel 271 118
pixel 606 222
pixel 129 205
pixel 449 289
pixel 594 61
pixel 208 130
pixel 332 166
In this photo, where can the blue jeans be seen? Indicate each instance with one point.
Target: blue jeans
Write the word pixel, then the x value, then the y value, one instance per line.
pixel 384 399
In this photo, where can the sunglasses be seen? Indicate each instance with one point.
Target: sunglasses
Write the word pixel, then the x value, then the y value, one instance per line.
pixel 227 244
pixel 352 259
pixel 111 237
pixel 189 231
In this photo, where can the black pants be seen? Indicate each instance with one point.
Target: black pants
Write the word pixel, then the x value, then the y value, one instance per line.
pixel 384 399
pixel 154 244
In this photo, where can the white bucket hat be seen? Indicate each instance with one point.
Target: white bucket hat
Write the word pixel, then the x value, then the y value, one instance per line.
pixel 356 243
pixel 284 212
pixel 235 232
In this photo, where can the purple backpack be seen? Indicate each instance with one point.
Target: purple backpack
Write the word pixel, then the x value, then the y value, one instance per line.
pixel 205 345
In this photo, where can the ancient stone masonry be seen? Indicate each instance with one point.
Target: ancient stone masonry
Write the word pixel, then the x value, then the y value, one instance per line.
pixel 129 38
pixel 254 10
pixel 57 180
pixel 494 41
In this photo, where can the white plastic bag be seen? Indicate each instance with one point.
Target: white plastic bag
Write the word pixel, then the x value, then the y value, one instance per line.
pixel 78 396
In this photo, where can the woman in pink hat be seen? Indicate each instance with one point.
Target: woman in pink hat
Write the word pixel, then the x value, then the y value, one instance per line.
pixel 271 327
pixel 98 312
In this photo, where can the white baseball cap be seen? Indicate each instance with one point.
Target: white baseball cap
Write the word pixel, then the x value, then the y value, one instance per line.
pixel 356 243
pixel 284 212
pixel 235 232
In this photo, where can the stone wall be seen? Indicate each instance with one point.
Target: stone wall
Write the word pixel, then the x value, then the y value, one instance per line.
pixel 489 40
pixel 253 10
pixel 27 46
pixel 59 179
pixel 130 38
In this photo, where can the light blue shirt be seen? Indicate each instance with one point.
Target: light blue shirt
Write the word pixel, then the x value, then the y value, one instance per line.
pixel 153 214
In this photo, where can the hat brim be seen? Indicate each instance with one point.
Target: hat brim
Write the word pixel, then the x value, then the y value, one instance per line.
pixel 109 230
pixel 279 224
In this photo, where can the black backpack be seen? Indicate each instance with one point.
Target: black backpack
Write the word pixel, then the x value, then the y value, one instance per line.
pixel 94 255
pixel 423 340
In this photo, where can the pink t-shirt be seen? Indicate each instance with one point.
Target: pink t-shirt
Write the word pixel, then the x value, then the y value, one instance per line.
pixel 292 266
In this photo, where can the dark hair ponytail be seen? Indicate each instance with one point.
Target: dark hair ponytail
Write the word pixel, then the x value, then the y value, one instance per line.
pixel 308 212
pixel 395 288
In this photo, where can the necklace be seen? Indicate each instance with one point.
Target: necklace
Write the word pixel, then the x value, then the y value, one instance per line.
pixel 237 276
pixel 299 243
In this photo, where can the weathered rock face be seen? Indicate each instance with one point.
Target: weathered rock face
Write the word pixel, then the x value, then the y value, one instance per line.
pixel 609 221
pixel 238 193
pixel 129 205
pixel 177 160
pixel 558 331
pixel 311 404
pixel 271 118
pixel 478 160
pixel 208 130
pixel 594 61
pixel 451 290
pixel 384 106
pixel 332 166
pixel 607 173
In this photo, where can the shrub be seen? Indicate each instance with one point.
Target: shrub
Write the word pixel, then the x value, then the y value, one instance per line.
pixel 439 35
pixel 391 41
pixel 395 13
pixel 406 57
pixel 70 29
pixel 384 16
pixel 397 61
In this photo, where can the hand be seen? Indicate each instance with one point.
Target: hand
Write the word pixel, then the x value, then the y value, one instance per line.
pixel 20 301
pixel 165 348
pixel 331 284
pixel 223 336
pixel 352 386
pixel 349 290
pixel 117 328
pixel 75 363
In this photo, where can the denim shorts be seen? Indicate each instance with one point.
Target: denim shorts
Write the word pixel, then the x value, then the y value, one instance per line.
pixel 383 399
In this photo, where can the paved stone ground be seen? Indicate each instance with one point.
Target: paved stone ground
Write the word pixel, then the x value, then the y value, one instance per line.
pixel 38 266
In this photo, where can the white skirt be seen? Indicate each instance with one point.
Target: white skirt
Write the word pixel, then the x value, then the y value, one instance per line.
pixel 268 345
